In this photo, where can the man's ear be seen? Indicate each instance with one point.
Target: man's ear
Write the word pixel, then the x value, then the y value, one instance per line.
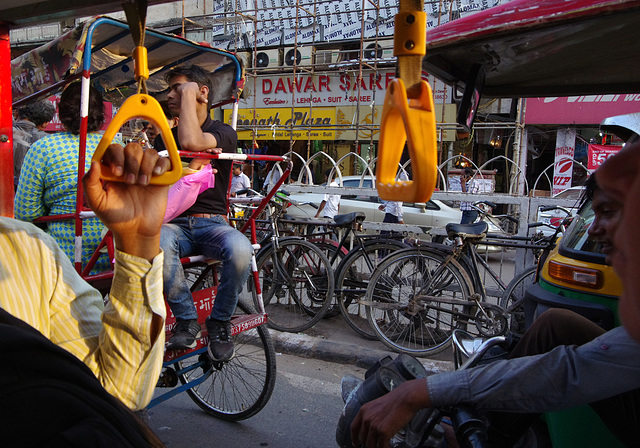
pixel 204 90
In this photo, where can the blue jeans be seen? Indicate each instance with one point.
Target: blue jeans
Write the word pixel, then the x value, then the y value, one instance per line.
pixel 469 216
pixel 213 238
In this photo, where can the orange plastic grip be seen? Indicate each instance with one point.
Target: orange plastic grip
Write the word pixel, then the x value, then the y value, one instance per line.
pixel 140 63
pixel 414 122
pixel 148 108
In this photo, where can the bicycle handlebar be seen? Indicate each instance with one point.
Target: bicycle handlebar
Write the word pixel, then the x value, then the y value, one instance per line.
pixel 490 204
pixel 470 429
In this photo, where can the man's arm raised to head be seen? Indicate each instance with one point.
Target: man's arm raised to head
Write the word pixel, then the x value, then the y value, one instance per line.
pixel 193 113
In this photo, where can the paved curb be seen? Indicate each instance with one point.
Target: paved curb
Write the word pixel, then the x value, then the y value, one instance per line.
pixel 340 352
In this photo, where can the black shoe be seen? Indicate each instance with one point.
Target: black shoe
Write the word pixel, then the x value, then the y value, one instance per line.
pixel 185 334
pixel 220 343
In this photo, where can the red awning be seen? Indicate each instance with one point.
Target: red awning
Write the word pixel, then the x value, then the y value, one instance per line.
pixel 543 48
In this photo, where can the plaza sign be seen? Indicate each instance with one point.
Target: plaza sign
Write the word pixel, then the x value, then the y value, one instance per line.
pixel 316 124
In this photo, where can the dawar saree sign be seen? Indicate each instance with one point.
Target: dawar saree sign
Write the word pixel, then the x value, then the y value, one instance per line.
pixel 340 88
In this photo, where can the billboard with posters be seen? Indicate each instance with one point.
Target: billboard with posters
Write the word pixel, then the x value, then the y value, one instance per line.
pixel 599 153
pixel 563 166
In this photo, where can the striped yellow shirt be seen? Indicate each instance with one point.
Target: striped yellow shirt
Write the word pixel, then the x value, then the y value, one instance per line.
pixel 39 285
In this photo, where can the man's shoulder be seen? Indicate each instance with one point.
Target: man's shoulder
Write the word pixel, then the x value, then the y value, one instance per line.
pixel 217 125
pixel 23 234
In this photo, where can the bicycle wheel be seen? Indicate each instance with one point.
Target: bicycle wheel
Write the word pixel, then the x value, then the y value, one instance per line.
pixel 513 299
pixel 240 388
pixel 332 250
pixel 297 284
pixel 415 301
pixel 352 277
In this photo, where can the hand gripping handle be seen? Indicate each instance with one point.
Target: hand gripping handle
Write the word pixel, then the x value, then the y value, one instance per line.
pixel 412 121
pixel 147 107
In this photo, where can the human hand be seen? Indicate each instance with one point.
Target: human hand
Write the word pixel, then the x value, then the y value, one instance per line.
pixel 379 420
pixel 192 90
pixel 133 209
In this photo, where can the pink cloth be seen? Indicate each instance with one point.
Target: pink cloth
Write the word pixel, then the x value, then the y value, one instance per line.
pixel 183 194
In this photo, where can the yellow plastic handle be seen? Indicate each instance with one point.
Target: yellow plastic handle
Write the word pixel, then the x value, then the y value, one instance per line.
pixel 414 122
pixel 148 108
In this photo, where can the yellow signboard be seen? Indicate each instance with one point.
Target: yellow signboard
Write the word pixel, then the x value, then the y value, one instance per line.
pixel 321 123
pixel 317 123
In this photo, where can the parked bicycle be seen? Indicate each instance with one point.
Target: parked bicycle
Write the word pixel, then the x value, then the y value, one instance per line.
pixel 418 296
pixel 352 268
pixel 296 276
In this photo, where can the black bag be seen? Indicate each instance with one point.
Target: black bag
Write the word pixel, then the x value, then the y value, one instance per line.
pixel 49 398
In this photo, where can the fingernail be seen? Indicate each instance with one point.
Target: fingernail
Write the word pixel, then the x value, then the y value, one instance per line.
pixel 117 171
pixel 143 179
pixel 131 178
pixel 157 170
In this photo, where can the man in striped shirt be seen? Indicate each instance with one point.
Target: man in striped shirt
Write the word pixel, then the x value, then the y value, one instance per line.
pixel 123 342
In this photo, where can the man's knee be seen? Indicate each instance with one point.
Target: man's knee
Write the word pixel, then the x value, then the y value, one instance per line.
pixel 556 327
pixel 168 238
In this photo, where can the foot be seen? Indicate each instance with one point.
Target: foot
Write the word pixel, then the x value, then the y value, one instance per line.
pixel 185 334
pixel 220 343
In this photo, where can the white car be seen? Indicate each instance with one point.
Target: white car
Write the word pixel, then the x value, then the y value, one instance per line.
pixel 553 218
pixel 434 213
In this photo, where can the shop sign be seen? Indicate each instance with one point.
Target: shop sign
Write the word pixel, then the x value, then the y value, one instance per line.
pixel 314 123
pixel 563 167
pixel 586 109
pixel 598 154
pixel 328 89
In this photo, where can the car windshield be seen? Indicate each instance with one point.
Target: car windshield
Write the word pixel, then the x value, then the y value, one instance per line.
pixel 576 238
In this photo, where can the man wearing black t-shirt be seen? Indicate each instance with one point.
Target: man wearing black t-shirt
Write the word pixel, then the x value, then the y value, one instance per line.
pixel 203 228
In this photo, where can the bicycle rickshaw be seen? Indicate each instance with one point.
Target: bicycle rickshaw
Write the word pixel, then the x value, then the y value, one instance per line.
pixel 99 51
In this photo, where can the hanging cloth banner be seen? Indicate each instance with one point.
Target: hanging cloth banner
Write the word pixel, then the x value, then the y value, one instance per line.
pixel 563 167
pixel 599 153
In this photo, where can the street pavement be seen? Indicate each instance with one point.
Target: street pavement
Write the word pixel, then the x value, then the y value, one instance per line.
pixel 332 340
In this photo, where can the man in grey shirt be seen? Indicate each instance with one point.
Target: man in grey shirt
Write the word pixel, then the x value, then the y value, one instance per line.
pixel 604 372
pixel 31 121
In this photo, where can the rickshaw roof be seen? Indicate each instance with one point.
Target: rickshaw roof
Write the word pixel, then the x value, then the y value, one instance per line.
pixel 543 48
pixel 46 69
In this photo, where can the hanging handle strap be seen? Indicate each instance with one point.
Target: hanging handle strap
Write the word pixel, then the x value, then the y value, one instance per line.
pixel 140 105
pixel 408 114
pixel 145 107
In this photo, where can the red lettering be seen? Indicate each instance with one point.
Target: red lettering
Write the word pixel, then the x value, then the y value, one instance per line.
pixel 280 86
pixel 359 81
pixel 294 84
pixel 345 82
pixel 310 85
pixel 266 86
pixel 375 79
pixel 388 78
pixel 323 81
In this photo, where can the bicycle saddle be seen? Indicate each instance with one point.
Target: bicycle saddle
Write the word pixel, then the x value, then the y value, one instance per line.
pixel 475 230
pixel 348 218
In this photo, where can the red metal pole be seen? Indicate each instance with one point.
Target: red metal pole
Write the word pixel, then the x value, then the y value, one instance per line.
pixel 6 126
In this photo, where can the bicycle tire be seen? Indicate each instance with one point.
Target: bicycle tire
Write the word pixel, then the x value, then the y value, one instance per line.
pixel 513 299
pixel 352 277
pixel 403 326
pixel 240 388
pixel 297 284
pixel 331 249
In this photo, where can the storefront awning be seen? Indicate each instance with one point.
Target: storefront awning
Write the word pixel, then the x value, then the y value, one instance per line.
pixel 543 48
